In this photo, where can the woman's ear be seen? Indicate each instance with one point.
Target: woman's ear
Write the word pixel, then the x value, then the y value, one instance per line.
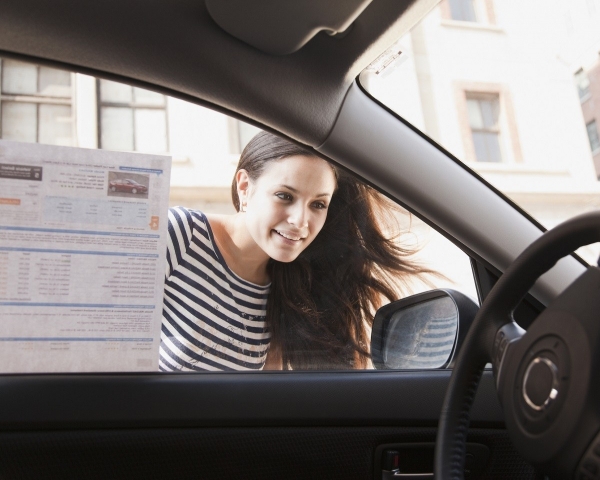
pixel 242 180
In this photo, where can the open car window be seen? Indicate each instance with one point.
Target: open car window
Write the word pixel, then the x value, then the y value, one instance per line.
pixel 513 94
pixel 86 304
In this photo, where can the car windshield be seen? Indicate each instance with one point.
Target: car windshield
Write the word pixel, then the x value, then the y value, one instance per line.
pixel 511 89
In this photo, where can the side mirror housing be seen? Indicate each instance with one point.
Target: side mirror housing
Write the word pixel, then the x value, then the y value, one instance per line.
pixel 421 331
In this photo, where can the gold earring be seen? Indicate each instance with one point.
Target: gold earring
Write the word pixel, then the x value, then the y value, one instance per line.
pixel 243 208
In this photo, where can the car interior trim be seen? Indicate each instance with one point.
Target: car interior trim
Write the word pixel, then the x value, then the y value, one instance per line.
pixel 30 402
pixel 285 26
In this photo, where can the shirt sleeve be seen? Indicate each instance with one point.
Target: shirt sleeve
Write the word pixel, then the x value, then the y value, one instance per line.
pixel 178 238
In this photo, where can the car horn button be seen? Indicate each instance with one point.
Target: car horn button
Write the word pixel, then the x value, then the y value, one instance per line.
pixel 540 383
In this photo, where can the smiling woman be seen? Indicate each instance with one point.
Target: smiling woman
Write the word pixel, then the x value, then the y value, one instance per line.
pixel 285 208
pixel 291 280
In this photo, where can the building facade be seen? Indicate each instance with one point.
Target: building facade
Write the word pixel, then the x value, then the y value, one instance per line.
pixel 493 83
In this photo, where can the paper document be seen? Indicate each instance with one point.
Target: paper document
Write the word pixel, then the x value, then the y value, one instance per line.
pixel 82 258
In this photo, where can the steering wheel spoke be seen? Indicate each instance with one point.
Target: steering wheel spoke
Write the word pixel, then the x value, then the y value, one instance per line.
pixel 504 342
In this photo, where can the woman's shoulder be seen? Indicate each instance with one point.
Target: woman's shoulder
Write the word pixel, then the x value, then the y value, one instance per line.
pixel 186 212
pixel 187 216
pixel 216 220
pixel 186 223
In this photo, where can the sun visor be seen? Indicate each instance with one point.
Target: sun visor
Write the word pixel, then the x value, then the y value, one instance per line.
pixel 282 27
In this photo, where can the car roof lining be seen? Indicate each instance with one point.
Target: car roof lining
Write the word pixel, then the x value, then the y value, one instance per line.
pixel 285 27
pixel 176 46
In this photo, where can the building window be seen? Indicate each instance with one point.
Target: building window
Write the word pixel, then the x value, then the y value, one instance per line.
pixel 475 11
pixel 484 113
pixel 463 10
pixel 583 84
pixel 131 118
pixel 592 131
pixel 35 104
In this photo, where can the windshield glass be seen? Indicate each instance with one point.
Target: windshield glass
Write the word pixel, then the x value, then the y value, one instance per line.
pixel 511 89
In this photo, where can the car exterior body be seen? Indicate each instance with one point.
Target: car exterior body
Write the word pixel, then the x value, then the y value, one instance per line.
pixel 127 185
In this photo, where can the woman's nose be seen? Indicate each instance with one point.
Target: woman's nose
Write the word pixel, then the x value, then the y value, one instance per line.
pixel 298 216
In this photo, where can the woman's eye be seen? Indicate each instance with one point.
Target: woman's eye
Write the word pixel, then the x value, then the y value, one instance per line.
pixel 319 205
pixel 284 196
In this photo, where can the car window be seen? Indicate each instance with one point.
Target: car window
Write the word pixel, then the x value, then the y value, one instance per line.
pixel 513 94
pixel 46 106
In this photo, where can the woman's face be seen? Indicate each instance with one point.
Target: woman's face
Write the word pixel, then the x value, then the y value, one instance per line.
pixel 286 206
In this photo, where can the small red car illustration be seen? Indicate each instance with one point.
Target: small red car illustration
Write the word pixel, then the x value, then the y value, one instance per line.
pixel 127 185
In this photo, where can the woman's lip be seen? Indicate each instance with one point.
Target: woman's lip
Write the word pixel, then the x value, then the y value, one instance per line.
pixel 286 236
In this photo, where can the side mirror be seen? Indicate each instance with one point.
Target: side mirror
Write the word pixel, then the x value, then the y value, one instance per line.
pixel 421 331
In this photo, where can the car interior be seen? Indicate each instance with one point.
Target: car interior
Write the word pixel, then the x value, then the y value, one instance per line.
pixel 294 69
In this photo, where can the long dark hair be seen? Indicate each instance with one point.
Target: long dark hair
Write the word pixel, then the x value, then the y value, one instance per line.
pixel 321 305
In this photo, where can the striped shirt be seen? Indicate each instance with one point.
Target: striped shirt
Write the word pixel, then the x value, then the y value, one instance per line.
pixel 212 319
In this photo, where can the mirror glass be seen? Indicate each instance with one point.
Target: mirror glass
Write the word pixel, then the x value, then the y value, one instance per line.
pixel 421 335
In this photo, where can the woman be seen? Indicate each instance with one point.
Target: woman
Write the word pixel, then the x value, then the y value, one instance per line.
pixel 291 281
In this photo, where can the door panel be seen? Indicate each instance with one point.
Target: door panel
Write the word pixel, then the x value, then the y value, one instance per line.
pixel 227 453
pixel 248 399
pixel 263 425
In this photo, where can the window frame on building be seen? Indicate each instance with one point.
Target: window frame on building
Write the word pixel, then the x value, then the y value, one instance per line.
pixel 133 105
pixel 593 136
pixel 38 100
pixel 582 83
pixel 486 130
pixel 483 12
pixel 510 146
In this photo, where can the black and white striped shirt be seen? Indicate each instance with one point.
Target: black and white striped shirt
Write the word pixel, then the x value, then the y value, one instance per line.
pixel 212 319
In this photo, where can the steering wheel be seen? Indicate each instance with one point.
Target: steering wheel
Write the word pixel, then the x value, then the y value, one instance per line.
pixel 548 378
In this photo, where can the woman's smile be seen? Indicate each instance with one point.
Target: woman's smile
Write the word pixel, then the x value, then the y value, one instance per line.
pixel 289 236
pixel 286 207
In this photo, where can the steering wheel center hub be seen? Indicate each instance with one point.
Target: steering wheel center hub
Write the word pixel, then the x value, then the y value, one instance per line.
pixel 540 383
